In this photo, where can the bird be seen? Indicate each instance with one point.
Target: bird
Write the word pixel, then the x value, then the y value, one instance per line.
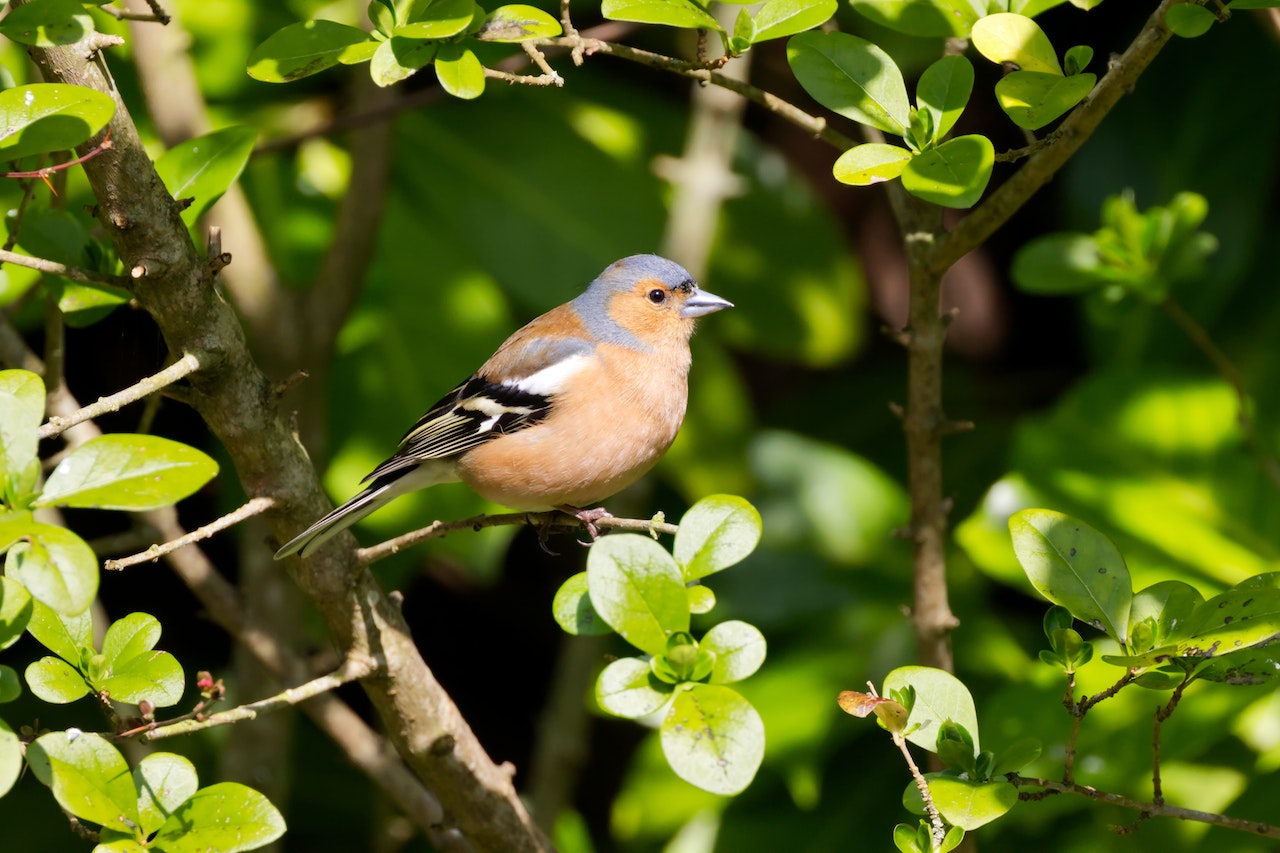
pixel 571 409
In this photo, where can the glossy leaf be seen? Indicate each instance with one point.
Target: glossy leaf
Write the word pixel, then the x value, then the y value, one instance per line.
pixel 1189 20
pixel 205 167
pixel 636 587
pixel 1006 37
pixel 518 23
pixel 10 684
pixel 459 71
pixel 21 410
pixel 701 598
pixel 10 757
pixel 56 567
pixel 306 48
pixel 965 803
pixel 940 697
pixel 713 738
pixel 852 77
pixel 437 20
pixel 56 681
pixel 628 688
pixel 227 817
pixel 572 608
pixel 778 18
pixel 88 776
pixel 398 58
pixel 1236 619
pixel 672 13
pixel 65 636
pixel 1169 604
pixel 131 472
pixel 954 174
pixel 15 611
pixel 132 670
pixel 47 23
pixel 925 18
pixel 45 117
pixel 943 91
pixel 1072 564
pixel 739 649
pixel 1077 59
pixel 1032 99
pixel 164 781
pixel 717 532
pixel 871 163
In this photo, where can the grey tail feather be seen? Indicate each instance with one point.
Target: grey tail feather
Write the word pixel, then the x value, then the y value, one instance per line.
pixel 339 520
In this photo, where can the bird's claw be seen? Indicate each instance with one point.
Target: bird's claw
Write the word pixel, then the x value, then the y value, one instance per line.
pixel 588 517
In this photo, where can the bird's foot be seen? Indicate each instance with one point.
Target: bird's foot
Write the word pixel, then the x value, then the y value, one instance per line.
pixel 588 517
pixel 544 529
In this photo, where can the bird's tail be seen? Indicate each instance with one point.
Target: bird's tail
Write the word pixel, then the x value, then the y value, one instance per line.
pixel 340 519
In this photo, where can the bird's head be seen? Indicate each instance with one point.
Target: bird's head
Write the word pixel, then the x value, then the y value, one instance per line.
pixel 645 297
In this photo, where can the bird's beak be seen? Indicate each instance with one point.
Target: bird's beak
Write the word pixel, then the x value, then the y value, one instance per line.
pixel 701 303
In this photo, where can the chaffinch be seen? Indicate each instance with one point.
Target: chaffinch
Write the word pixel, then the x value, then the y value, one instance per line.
pixel 571 409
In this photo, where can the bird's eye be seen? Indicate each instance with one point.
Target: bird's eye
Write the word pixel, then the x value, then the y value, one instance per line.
pixel 657 296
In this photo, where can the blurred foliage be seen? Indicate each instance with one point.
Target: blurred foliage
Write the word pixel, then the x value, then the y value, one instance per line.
pixel 501 208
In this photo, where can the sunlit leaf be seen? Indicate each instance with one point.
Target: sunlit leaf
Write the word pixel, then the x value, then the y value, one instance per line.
pixel 11 754
pixel 227 817
pixel 205 167
pixel 940 698
pixel 943 91
pixel 1006 37
pixel 57 567
pixel 47 23
pixel 43 117
pixel 88 776
pixel 716 533
pixel 954 174
pixel 628 688
pixel 1032 99
pixel 636 587
pixel 713 738
pixel 739 649
pixel 778 18
pixel 852 77
pixel 672 13
pixel 517 23
pixel 123 471
pixel 164 781
pixel 1189 20
pixel 306 48
pixel 870 163
pixel 459 71
pixel 962 802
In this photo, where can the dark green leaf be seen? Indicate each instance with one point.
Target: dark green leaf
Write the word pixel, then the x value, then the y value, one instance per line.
pixel 205 167
pixel 1189 20
pixel 1016 755
pixel 672 13
pixel 1169 604
pixel 954 174
pixel 1032 99
pixel 306 48
pixel 131 472
pixel 852 77
pixel 870 163
pixel 47 23
pixel 716 533
pixel 713 738
pixel 943 91
pixel 1059 264
pixel 88 776
pixel 398 58
pixel 518 23
pixel 227 817
pixel 1074 565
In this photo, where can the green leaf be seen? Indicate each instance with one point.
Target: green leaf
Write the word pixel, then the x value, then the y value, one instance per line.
pixel 744 30
pixel 1032 99
pixel 1016 755
pixel 131 472
pixel 398 58
pixel 573 611
pixel 1169 604
pixel 1254 4
pixel 870 163
pixel 10 758
pixel 778 18
pixel 85 303
pixel 965 803
pixel 45 117
pixel 716 533
pixel 518 23
pixel 1236 619
pixel 65 636
pixel 954 174
pixel 713 738
pixel 205 167
pixel 1244 667
pixel 943 91
pixel 21 410
pixel 459 72
pixel 1189 20
pixel 940 697
pixel 164 781
pixel 15 611
pixel 227 817
pixel 88 776
pixel 1072 564
pixel 56 567
pixel 739 649
pixel 1077 59
pixel 672 13
pixel 132 671
pixel 904 838
pixel 701 598
pixel 438 20
pixel 47 23
pixel 306 48
pixel 628 688
pixel 1006 37
pixel 10 684
pixel 923 18
pixel 56 681
pixel 852 77
pixel 1059 264
pixel 382 15
pixel 636 587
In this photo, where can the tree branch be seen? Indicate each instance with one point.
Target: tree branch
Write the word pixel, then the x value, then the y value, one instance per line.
pixel 254 507
pixel 180 369
pixel 55 268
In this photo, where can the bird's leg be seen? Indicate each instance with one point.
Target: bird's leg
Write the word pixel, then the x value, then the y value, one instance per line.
pixel 588 517
pixel 544 530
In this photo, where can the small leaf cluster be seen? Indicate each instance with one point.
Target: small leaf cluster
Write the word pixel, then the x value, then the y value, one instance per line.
pixel 1038 92
pixel 1190 20
pixel 934 710
pixel 1135 254
pixel 774 19
pixel 950 18
pixel 712 737
pixel 855 78
pixel 408 35
pixel 1168 633
pixel 158 806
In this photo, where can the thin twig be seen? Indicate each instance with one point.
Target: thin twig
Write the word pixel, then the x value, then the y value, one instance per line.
pixel 1252 827
pixel 935 818
pixel 55 268
pixel 48 171
pixel 345 674
pixel 439 529
pixel 255 506
pixel 181 368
